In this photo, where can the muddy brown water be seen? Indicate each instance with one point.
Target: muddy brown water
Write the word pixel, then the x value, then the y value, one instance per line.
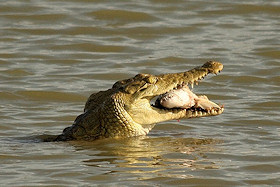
pixel 55 53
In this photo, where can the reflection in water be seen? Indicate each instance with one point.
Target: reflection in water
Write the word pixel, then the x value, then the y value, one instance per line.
pixel 149 156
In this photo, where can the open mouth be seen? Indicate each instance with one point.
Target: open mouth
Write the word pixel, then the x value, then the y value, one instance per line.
pixel 182 98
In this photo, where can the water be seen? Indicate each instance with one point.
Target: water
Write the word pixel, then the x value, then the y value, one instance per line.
pixel 55 53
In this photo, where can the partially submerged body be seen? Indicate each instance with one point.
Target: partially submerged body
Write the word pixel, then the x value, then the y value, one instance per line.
pixel 125 110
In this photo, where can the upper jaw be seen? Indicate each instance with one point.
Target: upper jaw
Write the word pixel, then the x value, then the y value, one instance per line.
pixel 168 82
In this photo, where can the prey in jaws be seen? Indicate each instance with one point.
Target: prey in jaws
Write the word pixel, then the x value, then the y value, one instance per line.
pixel 182 97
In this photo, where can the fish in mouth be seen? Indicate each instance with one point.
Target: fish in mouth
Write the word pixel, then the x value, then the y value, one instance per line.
pixel 183 98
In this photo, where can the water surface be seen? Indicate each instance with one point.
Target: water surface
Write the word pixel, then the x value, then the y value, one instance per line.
pixel 55 53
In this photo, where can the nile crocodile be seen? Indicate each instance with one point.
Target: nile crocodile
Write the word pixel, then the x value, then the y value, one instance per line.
pixel 126 109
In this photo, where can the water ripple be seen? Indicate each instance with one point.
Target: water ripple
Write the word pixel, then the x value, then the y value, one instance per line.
pixel 54 54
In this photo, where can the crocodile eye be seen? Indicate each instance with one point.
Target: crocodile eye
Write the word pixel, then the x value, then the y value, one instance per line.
pixel 151 79
pixel 144 87
pixel 130 89
pixel 141 76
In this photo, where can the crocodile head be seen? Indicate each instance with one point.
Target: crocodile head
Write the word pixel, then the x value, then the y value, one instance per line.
pixel 139 93
pixel 128 108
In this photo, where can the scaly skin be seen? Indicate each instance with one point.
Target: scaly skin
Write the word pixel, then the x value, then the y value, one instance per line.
pixel 125 109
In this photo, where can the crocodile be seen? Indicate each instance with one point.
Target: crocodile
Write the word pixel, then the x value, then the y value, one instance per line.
pixel 127 109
